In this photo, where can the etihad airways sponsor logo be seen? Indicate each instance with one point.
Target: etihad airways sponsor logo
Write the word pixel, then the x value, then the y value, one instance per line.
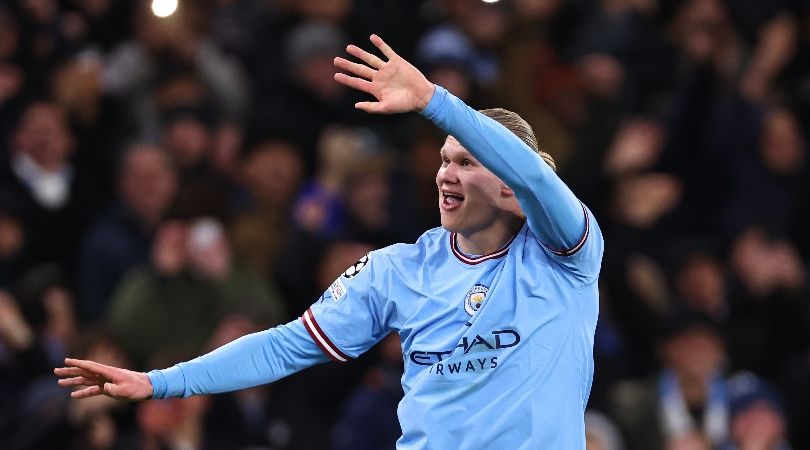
pixel 495 340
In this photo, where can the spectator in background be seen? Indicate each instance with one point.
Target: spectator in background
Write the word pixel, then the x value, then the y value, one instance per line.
pixel 192 275
pixel 687 400
pixel 49 422
pixel 756 415
pixel 37 327
pixel 259 417
pixel 189 137
pixel 319 209
pixel 768 321
pixel 368 419
pixel 309 100
pixel 120 240
pixel 601 433
pixel 55 201
pixel 171 49
pixel 767 171
pixel 701 285
pixel 446 55
pixel 97 120
pixel 271 172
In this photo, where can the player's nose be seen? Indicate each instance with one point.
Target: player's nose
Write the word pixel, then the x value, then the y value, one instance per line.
pixel 447 174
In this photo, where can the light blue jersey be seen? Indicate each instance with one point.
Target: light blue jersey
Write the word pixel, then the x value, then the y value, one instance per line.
pixel 498 348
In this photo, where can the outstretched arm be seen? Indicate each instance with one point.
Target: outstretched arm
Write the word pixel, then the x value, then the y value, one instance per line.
pixel 553 212
pixel 251 360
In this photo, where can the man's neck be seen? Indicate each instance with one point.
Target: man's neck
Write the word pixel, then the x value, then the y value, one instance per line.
pixel 490 239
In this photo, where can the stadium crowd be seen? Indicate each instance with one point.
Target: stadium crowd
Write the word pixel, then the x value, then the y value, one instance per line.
pixel 170 184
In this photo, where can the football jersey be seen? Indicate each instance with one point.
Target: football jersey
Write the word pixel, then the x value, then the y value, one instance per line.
pixel 498 348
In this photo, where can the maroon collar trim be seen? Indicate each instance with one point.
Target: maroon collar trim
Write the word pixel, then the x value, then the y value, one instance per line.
pixel 478 259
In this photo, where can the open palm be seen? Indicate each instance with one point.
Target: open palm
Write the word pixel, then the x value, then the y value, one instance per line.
pixel 397 85
pixel 99 379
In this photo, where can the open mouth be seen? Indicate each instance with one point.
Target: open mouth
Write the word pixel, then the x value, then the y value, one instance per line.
pixel 451 200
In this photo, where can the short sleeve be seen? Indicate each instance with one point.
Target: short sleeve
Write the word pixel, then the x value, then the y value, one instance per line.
pixel 349 318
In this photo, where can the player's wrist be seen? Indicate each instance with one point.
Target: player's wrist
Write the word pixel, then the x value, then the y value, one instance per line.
pixel 424 95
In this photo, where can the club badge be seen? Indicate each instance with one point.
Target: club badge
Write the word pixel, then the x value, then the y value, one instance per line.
pixel 475 298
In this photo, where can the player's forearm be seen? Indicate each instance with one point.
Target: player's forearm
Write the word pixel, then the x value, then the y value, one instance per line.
pixel 251 360
pixel 552 209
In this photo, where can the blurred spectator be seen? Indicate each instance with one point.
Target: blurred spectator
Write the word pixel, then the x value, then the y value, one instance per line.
pixel 170 424
pixel 701 285
pixel 97 120
pixel 258 417
pixel 120 240
pixel 62 424
pixel 192 275
pixel 687 400
pixel 319 209
pixel 601 433
pixel 447 56
pixel 55 203
pixel 171 49
pixel 37 327
pixel 189 135
pixel 757 415
pixel 769 319
pixel 768 170
pixel 271 172
pixel 308 100
pixel 368 419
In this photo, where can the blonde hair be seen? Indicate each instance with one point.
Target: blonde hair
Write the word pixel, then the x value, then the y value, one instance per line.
pixel 521 129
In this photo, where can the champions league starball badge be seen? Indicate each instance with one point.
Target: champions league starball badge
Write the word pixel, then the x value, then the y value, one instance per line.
pixel 355 268
pixel 475 298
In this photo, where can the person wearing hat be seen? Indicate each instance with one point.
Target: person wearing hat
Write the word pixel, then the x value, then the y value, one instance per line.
pixel 756 415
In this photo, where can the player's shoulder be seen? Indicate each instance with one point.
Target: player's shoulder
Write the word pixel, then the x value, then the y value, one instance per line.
pixel 429 243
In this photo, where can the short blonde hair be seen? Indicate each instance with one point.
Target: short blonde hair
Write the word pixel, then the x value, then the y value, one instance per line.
pixel 514 123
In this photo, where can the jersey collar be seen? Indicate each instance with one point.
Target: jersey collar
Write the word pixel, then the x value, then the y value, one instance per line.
pixel 473 260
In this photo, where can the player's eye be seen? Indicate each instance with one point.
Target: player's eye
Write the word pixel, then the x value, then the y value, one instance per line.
pixel 466 162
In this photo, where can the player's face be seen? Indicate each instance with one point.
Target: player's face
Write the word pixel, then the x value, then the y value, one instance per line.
pixel 471 198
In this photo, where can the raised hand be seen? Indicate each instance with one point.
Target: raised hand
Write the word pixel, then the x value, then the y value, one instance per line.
pixel 103 380
pixel 397 85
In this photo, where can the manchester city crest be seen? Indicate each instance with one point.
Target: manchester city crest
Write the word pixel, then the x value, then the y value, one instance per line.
pixel 475 298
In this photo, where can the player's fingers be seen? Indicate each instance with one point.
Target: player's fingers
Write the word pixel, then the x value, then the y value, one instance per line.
pixel 92 366
pixel 368 58
pixel 73 372
pixel 384 48
pixel 369 107
pixel 357 69
pixel 112 389
pixel 78 381
pixel 87 392
pixel 354 82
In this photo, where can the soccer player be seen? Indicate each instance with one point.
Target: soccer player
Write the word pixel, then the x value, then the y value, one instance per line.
pixel 496 309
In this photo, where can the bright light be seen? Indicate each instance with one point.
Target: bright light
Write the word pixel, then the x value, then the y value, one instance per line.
pixel 490 1
pixel 164 8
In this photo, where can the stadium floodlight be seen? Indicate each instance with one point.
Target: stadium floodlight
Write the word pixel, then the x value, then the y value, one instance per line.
pixel 164 8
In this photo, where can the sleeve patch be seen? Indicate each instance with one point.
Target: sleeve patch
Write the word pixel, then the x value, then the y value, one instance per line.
pixel 355 268
pixel 337 290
